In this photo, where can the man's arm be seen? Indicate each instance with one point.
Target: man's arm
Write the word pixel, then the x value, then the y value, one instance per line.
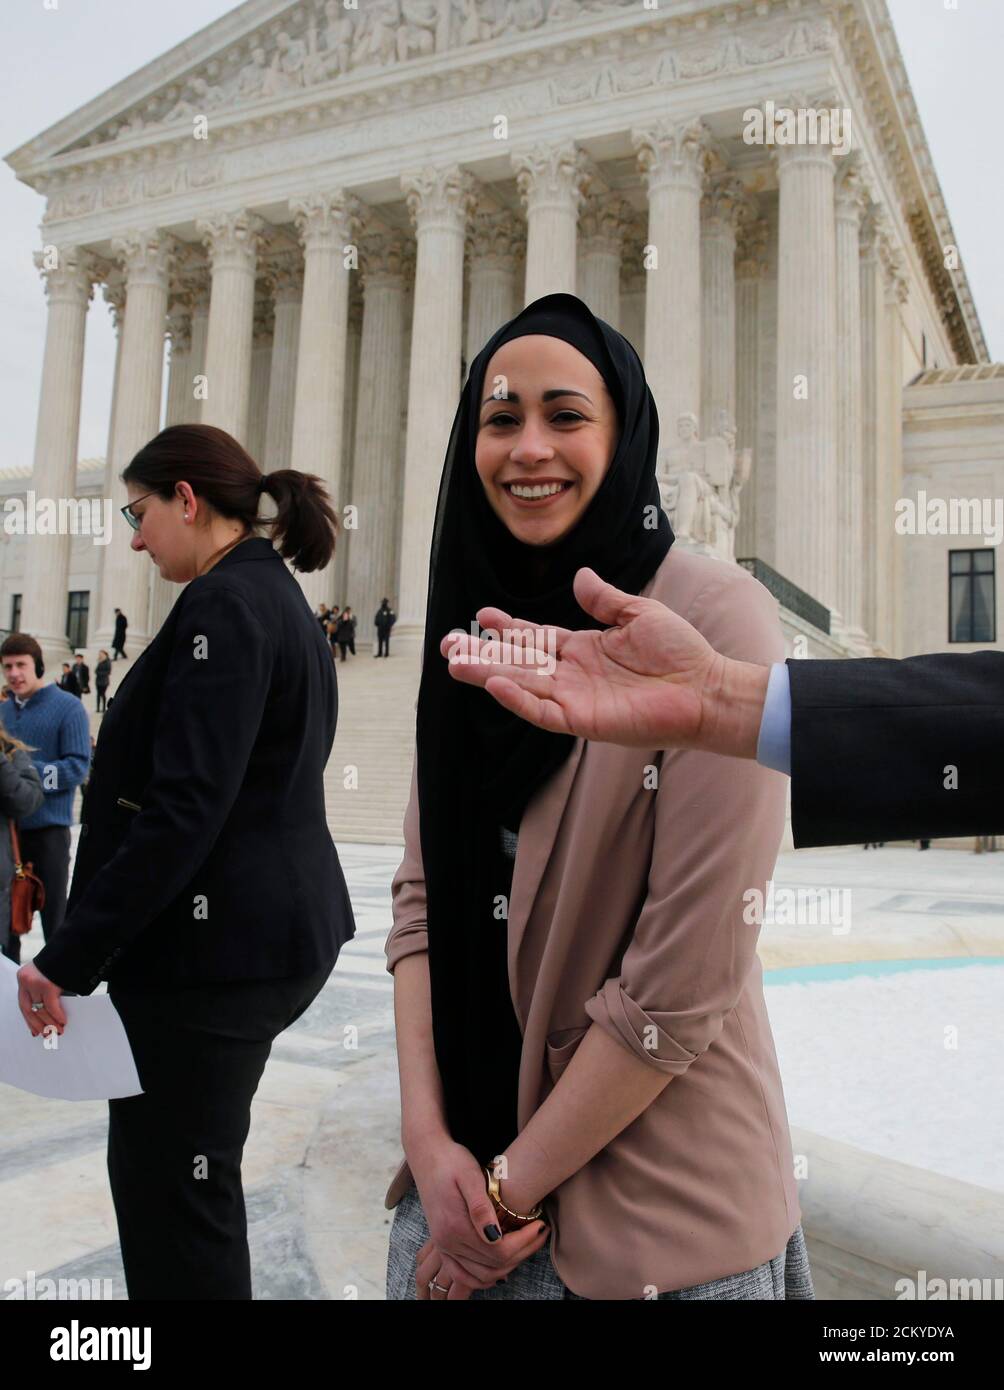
pixel 73 753
pixel 896 750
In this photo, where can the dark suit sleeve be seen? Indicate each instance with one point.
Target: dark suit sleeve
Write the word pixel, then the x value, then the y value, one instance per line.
pixel 896 750
pixel 214 696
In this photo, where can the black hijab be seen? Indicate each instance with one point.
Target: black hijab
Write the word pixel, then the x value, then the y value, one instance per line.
pixel 479 765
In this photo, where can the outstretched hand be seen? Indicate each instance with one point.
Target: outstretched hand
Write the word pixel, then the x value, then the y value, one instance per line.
pixel 648 680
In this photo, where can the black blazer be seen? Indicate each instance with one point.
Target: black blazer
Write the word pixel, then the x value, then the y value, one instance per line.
pixel 874 742
pixel 204 851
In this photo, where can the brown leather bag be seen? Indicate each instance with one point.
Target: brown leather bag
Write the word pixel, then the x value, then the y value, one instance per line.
pixel 27 891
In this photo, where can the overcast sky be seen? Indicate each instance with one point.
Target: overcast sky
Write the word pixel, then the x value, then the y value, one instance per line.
pixel 53 60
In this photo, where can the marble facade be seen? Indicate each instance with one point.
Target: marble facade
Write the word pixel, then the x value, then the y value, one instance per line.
pixel 324 210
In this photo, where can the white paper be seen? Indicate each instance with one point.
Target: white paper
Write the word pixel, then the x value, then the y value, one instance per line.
pixel 91 1061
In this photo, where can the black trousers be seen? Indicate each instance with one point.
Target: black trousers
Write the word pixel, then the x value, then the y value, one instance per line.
pixel 174 1153
pixel 102 692
pixel 383 642
pixel 48 849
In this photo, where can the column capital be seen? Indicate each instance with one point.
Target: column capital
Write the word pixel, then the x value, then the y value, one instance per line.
pixel 327 221
pixel 232 239
pixel 147 257
pixel 552 174
pixel 605 220
pixel 283 273
pixel 68 274
pixel 442 196
pixel 673 153
pixel 495 237
pixel 385 257
pixel 850 189
pixel 725 205
pixel 178 326
pixel 751 250
pixel 113 291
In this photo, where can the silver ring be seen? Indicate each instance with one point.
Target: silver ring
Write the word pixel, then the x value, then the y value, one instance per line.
pixel 434 1285
pixel 38 1004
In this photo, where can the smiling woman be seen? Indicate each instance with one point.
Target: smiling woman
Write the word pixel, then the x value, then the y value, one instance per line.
pixel 568 931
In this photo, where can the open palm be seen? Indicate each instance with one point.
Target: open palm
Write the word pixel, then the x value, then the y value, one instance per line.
pixel 642 682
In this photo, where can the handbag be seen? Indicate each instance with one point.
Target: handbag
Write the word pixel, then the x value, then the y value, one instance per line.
pixel 27 891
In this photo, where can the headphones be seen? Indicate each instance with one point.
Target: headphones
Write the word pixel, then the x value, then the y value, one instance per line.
pixel 39 667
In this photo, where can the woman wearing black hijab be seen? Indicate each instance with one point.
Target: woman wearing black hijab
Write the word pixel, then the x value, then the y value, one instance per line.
pixel 551 465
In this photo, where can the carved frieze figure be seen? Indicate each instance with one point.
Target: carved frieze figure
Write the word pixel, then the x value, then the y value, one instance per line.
pixel 251 78
pixel 376 35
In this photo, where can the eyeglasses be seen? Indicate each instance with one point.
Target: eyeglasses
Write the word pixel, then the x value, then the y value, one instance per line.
pixel 128 513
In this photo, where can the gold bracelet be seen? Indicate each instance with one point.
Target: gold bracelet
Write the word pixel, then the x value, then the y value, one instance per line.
pixel 520 1218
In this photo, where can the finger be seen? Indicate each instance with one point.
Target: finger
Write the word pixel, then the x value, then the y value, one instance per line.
pixel 498 618
pixel 602 600
pixel 546 714
pixel 534 652
pixel 426 1266
pixel 468 1275
pixel 54 1005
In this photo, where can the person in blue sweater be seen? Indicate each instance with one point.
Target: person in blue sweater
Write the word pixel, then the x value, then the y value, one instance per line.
pixel 55 725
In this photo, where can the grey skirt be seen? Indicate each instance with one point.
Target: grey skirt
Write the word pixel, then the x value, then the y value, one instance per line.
pixel 785 1276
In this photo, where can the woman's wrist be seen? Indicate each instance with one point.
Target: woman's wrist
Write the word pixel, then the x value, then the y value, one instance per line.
pixel 420 1136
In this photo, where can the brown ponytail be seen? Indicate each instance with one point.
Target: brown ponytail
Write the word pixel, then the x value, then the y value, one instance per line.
pixel 225 475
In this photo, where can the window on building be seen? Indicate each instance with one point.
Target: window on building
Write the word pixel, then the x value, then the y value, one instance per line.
pixel 15 613
pixel 76 618
pixel 972 604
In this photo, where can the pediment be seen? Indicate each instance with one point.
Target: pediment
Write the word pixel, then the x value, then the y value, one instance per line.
pixel 267 51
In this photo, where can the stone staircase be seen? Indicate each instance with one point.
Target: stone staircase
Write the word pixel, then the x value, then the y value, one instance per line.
pixel 376 735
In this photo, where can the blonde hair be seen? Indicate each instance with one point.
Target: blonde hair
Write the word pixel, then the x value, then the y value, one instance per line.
pixel 9 744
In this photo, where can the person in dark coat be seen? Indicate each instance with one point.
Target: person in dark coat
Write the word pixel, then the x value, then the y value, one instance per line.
pixel 345 634
pixel 118 641
pixel 383 622
pixel 83 674
pixel 214 923
pixel 20 794
pixel 102 676
pixel 68 680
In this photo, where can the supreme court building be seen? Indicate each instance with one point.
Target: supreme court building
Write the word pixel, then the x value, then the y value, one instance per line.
pixel 313 215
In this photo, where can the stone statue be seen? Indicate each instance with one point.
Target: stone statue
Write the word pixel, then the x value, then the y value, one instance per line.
pixel 376 36
pixel 475 26
pixel 686 491
pixel 701 481
pixel 417 34
pixel 251 78
pixel 287 70
pixel 338 36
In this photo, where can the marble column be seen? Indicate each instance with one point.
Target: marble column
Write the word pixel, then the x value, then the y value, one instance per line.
pixel 353 343
pixel 634 287
pixel 147 258
pixel 179 372
pixel 751 266
pixel 551 180
pixel 286 279
pixel 494 244
pixel 603 224
pixel 232 240
pixel 114 293
pixel 261 374
pixel 68 273
pixel 377 469
pixel 850 202
pixel 888 596
pixel 439 201
pixel 806 537
pixel 722 208
pixel 672 156
pixel 872 444
pixel 327 224
pixel 200 297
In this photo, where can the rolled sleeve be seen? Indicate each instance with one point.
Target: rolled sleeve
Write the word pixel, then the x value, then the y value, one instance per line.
pixel 718 828
pixel 409 934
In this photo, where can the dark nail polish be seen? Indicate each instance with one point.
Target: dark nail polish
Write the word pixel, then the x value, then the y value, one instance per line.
pixel 493 1233
pixel 499 1281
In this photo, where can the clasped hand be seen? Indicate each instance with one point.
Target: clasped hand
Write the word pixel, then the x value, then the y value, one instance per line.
pixel 459 1257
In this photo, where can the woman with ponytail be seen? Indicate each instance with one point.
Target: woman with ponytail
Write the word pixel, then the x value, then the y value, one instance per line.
pixel 207 890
